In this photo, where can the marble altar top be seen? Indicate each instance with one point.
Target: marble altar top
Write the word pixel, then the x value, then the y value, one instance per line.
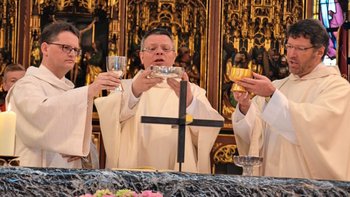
pixel 22 181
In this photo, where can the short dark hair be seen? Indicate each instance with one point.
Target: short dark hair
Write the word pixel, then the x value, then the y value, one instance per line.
pixel 156 31
pixel 311 29
pixel 51 31
pixel 13 67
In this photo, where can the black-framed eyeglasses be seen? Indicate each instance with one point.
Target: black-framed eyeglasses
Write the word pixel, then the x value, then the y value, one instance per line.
pixel 67 49
pixel 165 48
pixel 298 48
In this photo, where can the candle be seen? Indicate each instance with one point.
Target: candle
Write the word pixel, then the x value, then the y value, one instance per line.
pixel 7 132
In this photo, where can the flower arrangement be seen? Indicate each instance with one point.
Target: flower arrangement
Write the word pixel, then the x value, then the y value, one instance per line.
pixel 123 193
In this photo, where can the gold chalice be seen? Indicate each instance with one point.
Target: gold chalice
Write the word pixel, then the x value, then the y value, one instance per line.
pixel 237 74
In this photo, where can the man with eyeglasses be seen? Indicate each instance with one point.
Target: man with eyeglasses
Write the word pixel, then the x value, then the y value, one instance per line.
pixel 12 73
pixel 53 119
pixel 131 144
pixel 299 124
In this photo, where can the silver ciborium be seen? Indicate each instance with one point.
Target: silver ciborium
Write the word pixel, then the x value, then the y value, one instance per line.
pixel 167 72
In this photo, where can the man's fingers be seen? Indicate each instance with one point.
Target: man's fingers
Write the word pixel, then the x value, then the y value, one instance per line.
pixel 185 76
pixel 246 95
pixel 247 84
pixel 246 81
pixel 240 95
pixel 154 80
pixel 145 73
pixel 175 85
pixel 257 76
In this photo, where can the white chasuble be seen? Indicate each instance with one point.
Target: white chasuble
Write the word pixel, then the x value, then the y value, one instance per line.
pixel 155 145
pixel 303 130
pixel 53 119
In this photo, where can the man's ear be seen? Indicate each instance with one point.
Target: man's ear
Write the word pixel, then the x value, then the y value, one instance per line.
pixel 141 55
pixel 175 55
pixel 44 48
pixel 321 51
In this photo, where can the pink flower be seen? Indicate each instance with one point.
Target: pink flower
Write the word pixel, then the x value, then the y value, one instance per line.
pixel 87 195
pixel 149 193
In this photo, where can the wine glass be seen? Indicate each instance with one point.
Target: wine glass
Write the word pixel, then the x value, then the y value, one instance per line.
pixel 117 64
pixel 247 163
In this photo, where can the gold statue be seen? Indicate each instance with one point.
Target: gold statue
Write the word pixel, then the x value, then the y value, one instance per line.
pixel 93 60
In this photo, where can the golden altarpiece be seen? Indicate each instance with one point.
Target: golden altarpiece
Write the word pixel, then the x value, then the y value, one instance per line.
pixel 213 31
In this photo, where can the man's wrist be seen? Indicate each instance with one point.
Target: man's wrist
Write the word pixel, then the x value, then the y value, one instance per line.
pixel 267 98
pixel 244 109
pixel 135 92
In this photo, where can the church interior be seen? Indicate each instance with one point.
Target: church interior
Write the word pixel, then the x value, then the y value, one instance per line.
pixel 210 37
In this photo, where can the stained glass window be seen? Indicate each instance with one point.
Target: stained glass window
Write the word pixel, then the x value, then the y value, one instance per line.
pixel 330 13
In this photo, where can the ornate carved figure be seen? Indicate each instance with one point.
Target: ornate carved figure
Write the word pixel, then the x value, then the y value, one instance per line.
pixel 278 65
pixel 93 60
pixel 184 59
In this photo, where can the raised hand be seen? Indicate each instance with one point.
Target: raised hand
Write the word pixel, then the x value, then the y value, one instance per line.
pixel 175 85
pixel 243 99
pixel 259 85
pixel 104 81
pixel 143 82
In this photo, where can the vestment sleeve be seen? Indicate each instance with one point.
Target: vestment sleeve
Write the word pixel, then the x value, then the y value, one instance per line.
pixel 60 123
pixel 108 109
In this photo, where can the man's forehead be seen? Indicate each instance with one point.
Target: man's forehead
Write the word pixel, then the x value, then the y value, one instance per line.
pixel 158 39
pixel 68 38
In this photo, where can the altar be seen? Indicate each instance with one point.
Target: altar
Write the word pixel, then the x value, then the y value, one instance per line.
pixel 67 182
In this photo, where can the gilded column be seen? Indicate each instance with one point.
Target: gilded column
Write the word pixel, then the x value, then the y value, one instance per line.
pixel 2 22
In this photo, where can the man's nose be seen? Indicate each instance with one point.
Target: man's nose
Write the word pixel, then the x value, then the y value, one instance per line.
pixel 292 52
pixel 159 51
